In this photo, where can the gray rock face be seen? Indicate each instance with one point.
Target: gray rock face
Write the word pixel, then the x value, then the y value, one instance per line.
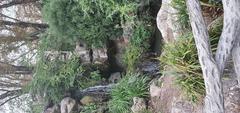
pixel 139 105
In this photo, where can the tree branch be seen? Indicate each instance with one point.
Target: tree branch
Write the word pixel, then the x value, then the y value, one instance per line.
pixel 231 28
pixel 17 2
pixel 214 102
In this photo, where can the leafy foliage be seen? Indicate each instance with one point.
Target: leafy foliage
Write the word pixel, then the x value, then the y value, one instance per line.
pixel 132 85
pixel 55 77
pixel 92 21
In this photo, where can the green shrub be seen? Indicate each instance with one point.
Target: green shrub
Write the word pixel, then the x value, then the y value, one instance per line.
pixel 132 85
pixel 92 21
pixel 53 78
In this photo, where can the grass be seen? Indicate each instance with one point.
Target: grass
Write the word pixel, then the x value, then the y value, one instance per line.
pixel 132 85
pixel 181 57
pixel 182 60
pixel 182 15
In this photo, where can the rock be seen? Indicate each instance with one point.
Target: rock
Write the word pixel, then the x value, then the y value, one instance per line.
pixel 232 100
pixel 82 51
pixel 155 90
pixel 139 105
pixel 67 105
pixel 114 77
pixel 87 100
pixel 163 97
pixel 166 21
pixel 182 107
pixel 54 109
pixel 99 55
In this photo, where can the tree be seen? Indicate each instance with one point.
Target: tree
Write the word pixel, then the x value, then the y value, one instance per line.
pixel 228 44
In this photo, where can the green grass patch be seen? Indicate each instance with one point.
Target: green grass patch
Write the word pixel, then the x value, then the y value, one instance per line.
pixel 132 85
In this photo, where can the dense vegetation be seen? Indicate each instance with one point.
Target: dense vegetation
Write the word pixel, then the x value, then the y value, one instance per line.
pixel 94 23
pixel 91 21
pixel 180 57
pixel 98 22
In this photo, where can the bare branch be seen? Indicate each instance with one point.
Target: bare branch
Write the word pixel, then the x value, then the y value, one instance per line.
pixel 17 2
pixel 9 100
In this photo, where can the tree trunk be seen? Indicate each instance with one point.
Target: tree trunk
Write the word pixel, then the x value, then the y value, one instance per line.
pixel 231 29
pixel 214 94
pixel 17 2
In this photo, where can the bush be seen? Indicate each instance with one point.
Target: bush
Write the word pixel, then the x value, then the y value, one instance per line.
pixel 92 21
pixel 54 78
pixel 132 85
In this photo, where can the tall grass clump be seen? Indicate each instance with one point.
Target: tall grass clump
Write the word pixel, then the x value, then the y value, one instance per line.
pixel 181 59
pixel 182 13
pixel 132 85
